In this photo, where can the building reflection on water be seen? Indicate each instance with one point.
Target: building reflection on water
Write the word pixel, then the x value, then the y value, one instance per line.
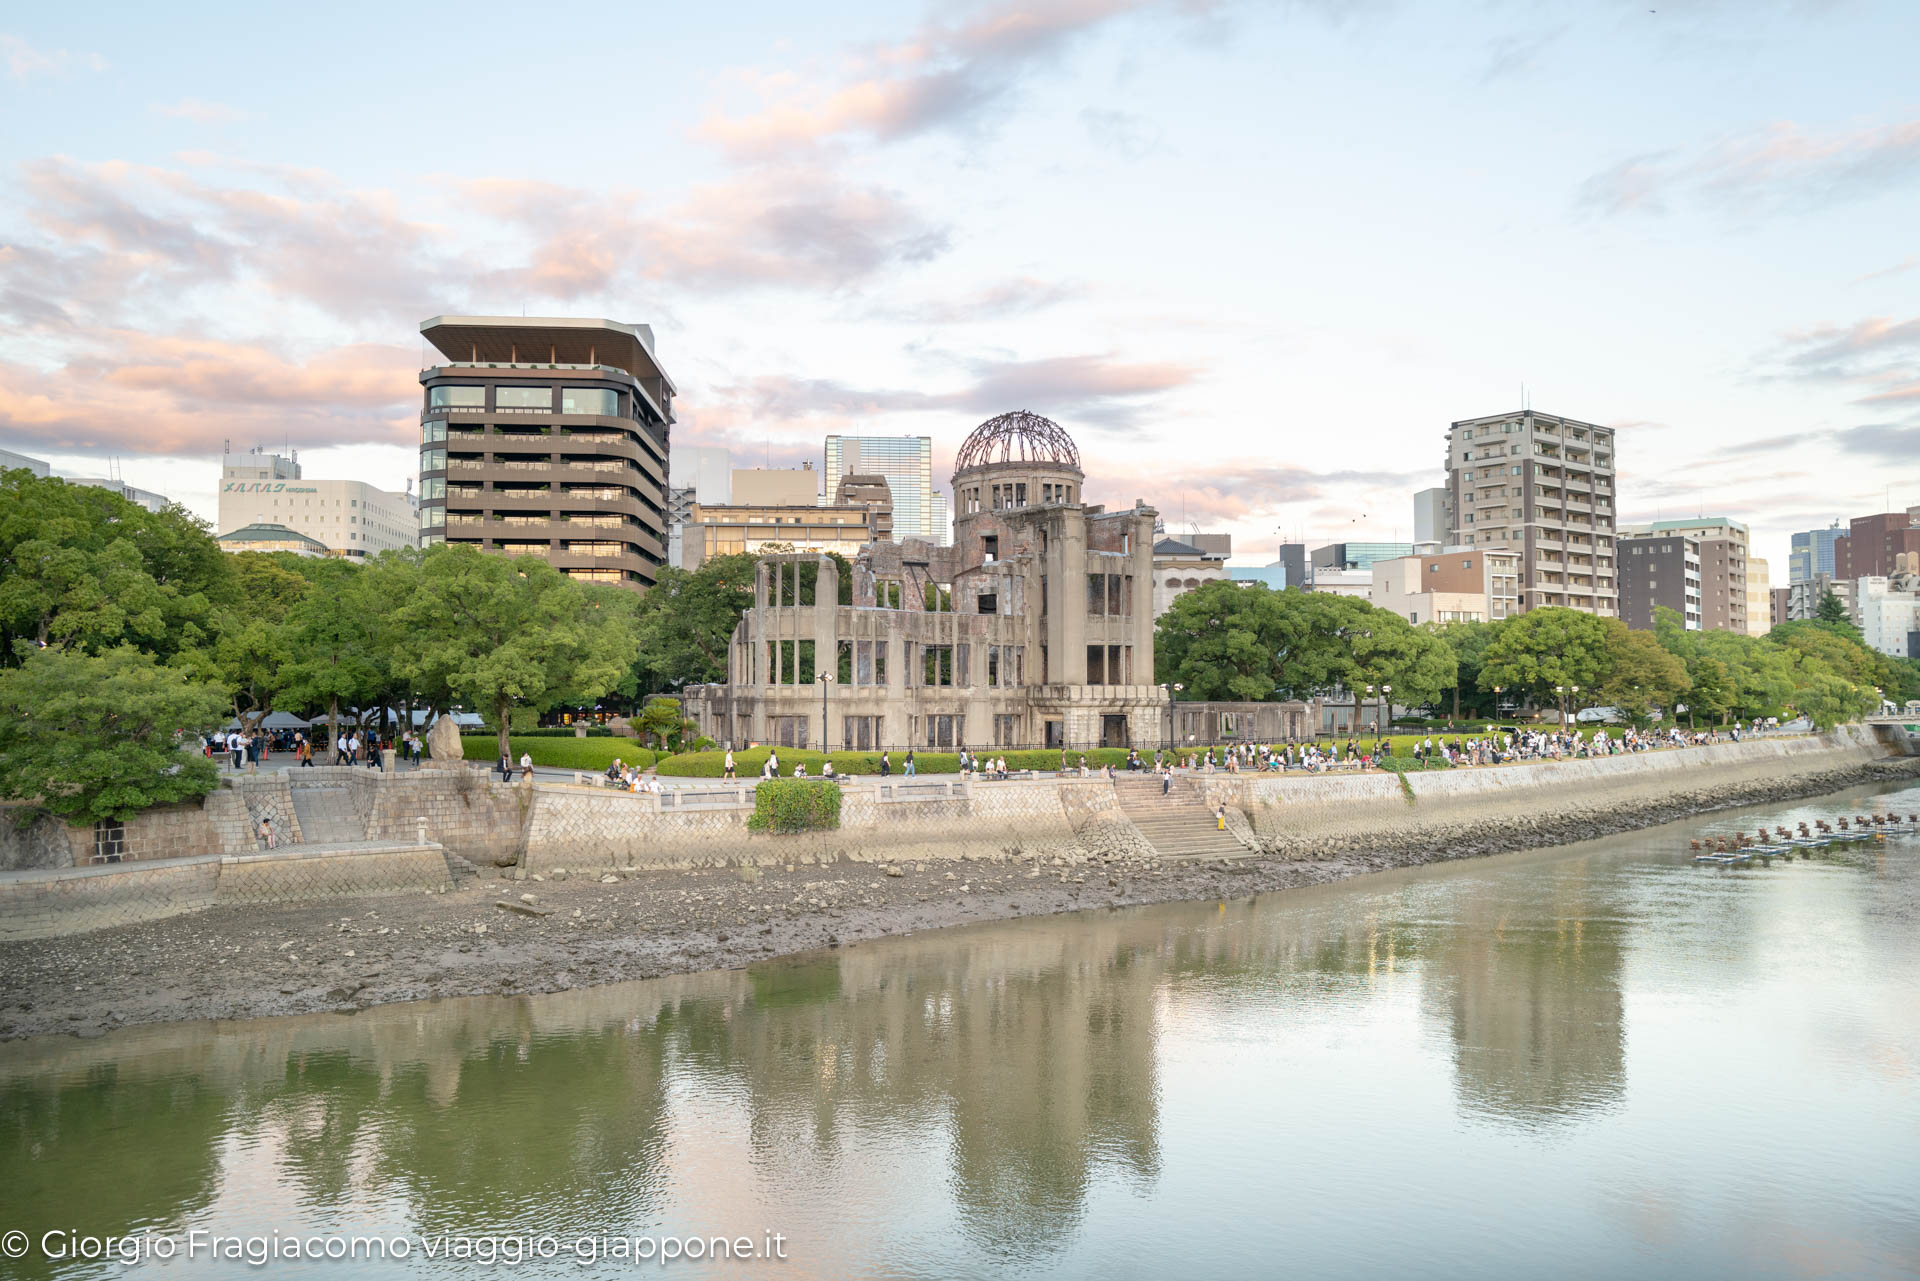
pixel 1025 1054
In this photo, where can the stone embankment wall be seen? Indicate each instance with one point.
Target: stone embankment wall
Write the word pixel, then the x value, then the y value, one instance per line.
pixel 880 821
pixel 1536 803
pixel 46 903
pixel 476 818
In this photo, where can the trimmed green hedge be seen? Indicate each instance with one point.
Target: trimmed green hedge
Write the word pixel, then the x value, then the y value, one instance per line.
pixel 748 761
pixel 795 805
pixel 561 753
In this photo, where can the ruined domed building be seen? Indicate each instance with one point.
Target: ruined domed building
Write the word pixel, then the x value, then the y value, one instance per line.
pixel 1034 629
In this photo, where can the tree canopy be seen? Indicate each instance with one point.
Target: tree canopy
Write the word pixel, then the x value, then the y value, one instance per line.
pixel 99 736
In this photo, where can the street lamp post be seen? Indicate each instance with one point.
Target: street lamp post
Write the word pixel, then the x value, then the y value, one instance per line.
pixel 1376 714
pixel 1382 723
pixel 1172 689
pixel 1576 699
pixel 826 744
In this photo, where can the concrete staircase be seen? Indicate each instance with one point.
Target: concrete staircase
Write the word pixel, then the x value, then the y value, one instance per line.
pixel 326 815
pixel 1178 824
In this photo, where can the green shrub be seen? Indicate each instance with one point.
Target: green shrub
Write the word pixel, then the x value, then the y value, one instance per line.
pixel 561 753
pixel 795 805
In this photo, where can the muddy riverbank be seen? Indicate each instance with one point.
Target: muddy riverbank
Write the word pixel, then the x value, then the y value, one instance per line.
pixel 571 929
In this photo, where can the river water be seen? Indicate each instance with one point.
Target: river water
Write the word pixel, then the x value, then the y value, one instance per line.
pixel 1595 1061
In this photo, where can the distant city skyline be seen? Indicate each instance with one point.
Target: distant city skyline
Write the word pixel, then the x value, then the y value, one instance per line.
pixel 1253 258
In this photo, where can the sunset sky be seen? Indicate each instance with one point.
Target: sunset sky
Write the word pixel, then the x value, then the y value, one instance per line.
pixel 1254 257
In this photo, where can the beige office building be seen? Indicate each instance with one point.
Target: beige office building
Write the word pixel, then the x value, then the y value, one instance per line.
pixel 1467 585
pixel 775 486
pixel 1759 596
pixel 1541 487
pixel 349 517
pixel 738 527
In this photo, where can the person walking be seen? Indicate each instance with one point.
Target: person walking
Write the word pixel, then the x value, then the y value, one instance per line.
pixel 908 771
pixel 886 765
pixel 727 773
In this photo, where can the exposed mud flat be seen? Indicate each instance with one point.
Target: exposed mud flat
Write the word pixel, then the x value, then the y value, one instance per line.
pixel 592 928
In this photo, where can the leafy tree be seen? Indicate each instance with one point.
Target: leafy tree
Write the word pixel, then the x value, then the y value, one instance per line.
pixel 1227 641
pixel 1533 653
pixel 496 631
pixel 1468 641
pixel 1827 699
pixel 82 568
pixel 93 737
pixel 1220 642
pixel 1832 609
pixel 328 639
pixel 1641 674
pixel 685 624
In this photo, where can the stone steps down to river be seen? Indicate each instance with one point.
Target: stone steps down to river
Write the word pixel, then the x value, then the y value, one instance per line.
pixel 1178 824
pixel 327 816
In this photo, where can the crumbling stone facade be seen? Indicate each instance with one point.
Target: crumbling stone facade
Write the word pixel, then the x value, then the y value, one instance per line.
pixel 1034 629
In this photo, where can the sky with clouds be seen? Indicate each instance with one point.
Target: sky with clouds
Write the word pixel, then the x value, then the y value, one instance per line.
pixel 1254 256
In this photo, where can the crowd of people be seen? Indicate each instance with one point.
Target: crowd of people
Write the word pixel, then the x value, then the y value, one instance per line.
pixel 243 748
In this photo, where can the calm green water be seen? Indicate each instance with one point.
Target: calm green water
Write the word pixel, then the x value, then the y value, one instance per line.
pixel 1598 1061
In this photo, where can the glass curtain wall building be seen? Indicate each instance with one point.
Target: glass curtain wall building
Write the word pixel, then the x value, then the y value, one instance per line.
pixel 548 437
pixel 1812 554
pixel 907 463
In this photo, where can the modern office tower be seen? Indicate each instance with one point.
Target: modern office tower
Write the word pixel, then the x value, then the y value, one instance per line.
pixel 1723 566
pixel 1659 571
pixel 1812 554
pixel 1432 518
pixel 1357 555
pixel 1874 544
pixel 1541 486
pixel 907 463
pixel 1759 596
pixel 548 436
pixel 349 517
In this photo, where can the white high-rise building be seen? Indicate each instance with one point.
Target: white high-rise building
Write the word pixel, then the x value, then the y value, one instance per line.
pixel 354 519
pixel 907 463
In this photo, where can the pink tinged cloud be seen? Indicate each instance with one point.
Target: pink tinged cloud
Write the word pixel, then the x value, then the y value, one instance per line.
pixel 943 76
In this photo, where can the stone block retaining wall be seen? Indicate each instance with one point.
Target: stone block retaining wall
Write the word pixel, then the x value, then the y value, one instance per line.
pixel 901 819
pixel 46 903
pixel 1326 813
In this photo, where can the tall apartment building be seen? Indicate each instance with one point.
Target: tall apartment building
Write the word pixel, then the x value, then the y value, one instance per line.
pixel 1812 554
pixel 349 518
pixel 548 437
pixel 1541 486
pixel 1659 571
pixel 1723 566
pixel 907 463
